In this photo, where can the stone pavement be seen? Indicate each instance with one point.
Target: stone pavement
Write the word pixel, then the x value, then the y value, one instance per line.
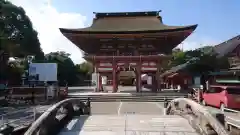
pixel 128 118
pixel 120 108
pixel 128 125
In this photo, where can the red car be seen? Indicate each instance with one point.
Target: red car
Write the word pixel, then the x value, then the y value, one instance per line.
pixel 222 97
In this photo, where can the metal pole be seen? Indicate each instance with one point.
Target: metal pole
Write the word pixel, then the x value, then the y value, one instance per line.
pixel 89 106
pixel 125 125
pixel 165 106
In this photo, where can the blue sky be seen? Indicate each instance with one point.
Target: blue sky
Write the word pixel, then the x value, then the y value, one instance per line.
pixel 218 20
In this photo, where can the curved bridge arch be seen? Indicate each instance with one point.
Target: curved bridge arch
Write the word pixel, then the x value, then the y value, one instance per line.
pixel 72 107
pixel 197 116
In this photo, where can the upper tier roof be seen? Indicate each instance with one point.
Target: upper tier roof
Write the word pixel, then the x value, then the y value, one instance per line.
pixel 127 22
pixel 228 46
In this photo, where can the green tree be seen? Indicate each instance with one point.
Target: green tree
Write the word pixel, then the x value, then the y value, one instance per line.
pixel 15 70
pixel 178 58
pixel 85 67
pixel 17 36
pixel 84 71
pixel 200 60
pixel 66 68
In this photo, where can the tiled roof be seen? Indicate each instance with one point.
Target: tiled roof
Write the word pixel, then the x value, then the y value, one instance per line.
pixel 227 47
pixel 135 21
pixel 175 69
pixel 180 67
pixel 235 68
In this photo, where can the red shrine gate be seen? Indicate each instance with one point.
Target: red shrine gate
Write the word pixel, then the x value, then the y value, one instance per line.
pixel 128 39
pixel 111 66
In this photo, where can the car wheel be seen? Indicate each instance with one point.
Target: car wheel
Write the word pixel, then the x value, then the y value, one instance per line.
pixel 204 102
pixel 222 107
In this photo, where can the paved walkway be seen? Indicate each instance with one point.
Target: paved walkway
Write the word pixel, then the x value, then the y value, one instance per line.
pixel 128 125
pixel 120 108
pixel 128 118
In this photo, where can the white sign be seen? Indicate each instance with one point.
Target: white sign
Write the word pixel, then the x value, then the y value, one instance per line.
pixel 46 71
pixel 149 80
pixel 32 70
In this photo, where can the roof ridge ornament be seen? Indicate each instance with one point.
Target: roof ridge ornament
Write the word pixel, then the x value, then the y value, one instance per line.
pixel 124 14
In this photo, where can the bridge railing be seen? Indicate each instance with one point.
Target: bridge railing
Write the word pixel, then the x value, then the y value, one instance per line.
pixel 54 119
pixel 198 116
pixel 17 118
pixel 128 98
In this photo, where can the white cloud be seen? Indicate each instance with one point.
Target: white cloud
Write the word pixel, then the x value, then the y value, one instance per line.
pixel 47 20
pixel 194 42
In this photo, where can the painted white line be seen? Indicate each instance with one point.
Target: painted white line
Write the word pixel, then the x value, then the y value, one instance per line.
pixel 119 108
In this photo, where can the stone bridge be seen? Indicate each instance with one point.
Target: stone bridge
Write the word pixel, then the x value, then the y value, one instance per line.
pixel 87 116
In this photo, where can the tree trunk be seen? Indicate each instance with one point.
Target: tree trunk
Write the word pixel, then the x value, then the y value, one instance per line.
pixel 3 65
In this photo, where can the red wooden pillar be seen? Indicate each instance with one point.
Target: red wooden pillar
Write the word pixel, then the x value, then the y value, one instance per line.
pixel 117 79
pixel 97 83
pixel 114 81
pixel 154 82
pixel 138 77
pixel 158 76
pixel 100 88
pixel 114 77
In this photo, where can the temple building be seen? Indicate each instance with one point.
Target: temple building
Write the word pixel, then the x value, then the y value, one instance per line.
pixel 231 50
pixel 136 41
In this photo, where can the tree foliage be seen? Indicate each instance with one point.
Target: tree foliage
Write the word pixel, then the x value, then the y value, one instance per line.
pixel 15 69
pixel 201 60
pixel 85 67
pixel 17 36
pixel 67 71
pixel 179 57
pixel 65 66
